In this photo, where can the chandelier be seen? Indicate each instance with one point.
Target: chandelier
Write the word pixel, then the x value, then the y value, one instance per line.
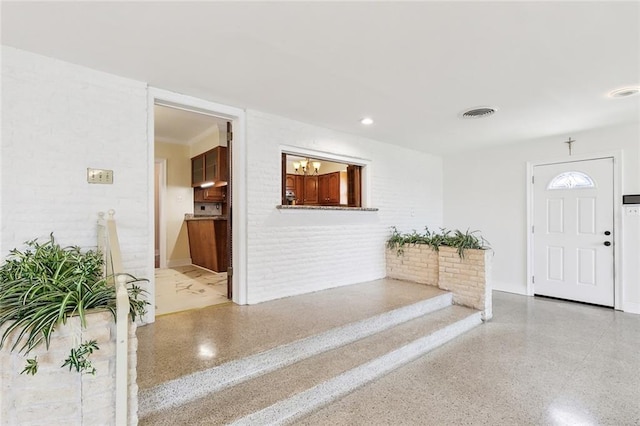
pixel 305 167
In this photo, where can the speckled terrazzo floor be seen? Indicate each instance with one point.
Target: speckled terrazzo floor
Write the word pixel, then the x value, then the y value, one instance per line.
pixel 186 342
pixel 188 287
pixel 537 362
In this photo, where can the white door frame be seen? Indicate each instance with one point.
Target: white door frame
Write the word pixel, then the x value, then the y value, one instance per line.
pixel 162 222
pixel 238 117
pixel 617 216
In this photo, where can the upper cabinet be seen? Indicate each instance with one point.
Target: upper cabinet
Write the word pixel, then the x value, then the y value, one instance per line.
pixel 210 167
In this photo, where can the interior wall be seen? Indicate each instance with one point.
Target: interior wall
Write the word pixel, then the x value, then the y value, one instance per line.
pixel 178 200
pixel 486 190
pixel 206 143
pixel 59 119
pixel 298 251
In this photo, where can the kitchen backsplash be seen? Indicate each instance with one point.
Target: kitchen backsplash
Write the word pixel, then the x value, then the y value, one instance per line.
pixel 207 209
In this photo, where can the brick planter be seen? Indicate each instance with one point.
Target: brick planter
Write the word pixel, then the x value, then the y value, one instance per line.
pixel 417 263
pixel 57 396
pixel 469 279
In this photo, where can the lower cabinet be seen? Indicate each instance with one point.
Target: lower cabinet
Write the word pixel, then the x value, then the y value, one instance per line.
pixel 208 243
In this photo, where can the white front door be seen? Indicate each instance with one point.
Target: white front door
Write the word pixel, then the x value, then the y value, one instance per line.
pixel 573 231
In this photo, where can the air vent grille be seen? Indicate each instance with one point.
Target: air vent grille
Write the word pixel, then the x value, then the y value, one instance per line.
pixel 623 93
pixel 478 112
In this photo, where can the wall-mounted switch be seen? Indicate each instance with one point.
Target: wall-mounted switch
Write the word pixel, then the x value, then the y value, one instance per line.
pixel 99 176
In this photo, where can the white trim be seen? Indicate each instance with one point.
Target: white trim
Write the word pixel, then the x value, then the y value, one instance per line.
pixel 618 230
pixel 239 214
pixel 329 156
pixel 162 222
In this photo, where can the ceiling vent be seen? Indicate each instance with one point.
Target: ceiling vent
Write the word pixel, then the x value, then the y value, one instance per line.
pixel 623 93
pixel 478 112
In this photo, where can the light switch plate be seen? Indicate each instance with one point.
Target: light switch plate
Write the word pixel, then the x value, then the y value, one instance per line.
pixel 99 176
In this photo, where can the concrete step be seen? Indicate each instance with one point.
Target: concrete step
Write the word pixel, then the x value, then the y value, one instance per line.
pixel 179 391
pixel 293 391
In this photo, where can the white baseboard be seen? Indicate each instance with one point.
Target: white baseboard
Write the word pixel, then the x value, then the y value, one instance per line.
pixel 631 307
pixel 178 262
pixel 509 288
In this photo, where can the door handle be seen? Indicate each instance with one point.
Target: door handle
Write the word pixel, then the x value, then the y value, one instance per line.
pixel 607 232
pixel 607 243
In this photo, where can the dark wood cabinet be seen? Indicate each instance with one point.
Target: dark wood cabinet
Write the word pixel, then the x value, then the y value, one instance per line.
pixel 210 195
pixel 329 188
pixel 208 243
pixel 291 182
pixel 210 166
pixel 311 190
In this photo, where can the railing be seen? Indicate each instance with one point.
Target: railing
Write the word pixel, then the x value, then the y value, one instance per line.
pixel 110 247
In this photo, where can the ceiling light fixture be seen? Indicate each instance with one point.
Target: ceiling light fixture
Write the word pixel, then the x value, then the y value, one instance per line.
pixel 478 112
pixel 306 169
pixel 367 121
pixel 625 92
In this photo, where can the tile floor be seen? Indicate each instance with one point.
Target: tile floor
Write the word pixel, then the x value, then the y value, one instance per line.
pixel 537 362
pixel 188 287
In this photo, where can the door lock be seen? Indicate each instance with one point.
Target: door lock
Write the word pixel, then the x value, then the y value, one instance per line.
pixel 607 232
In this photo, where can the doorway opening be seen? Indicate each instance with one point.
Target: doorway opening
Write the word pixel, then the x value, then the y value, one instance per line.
pixel 192 215
pixel 572 228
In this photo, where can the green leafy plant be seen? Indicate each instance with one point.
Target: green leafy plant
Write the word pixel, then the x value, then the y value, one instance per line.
pixel 78 357
pixel 44 285
pixel 458 239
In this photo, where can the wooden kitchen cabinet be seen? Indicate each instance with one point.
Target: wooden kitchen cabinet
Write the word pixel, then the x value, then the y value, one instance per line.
pixel 329 188
pixel 210 166
pixel 311 190
pixel 210 195
pixel 295 183
pixel 208 243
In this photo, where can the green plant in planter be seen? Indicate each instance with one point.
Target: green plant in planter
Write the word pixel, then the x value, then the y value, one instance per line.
pixel 44 285
pixel 458 239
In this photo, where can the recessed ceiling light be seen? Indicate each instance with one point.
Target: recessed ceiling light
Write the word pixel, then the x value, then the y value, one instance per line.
pixel 478 112
pixel 367 121
pixel 625 92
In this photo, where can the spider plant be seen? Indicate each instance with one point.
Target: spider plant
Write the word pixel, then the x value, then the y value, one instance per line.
pixel 458 239
pixel 45 284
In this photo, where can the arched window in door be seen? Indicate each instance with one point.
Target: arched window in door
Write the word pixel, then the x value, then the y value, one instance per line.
pixel 571 180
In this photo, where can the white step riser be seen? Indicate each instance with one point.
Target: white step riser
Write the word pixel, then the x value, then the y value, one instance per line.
pixel 197 385
pixel 289 410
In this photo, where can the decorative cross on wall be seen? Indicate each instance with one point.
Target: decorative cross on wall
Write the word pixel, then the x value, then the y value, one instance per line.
pixel 569 142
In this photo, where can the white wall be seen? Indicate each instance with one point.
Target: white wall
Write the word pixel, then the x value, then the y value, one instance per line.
pixel 293 251
pixel 178 201
pixel 486 190
pixel 57 120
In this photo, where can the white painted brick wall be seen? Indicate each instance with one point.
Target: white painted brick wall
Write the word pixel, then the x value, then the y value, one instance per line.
pixel 57 120
pixel 292 252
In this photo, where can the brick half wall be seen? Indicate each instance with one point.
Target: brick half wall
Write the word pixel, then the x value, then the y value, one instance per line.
pixel 468 278
pixel 56 395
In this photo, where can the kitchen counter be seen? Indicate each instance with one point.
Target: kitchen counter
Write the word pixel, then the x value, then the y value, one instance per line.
pixel 189 216
pixel 208 241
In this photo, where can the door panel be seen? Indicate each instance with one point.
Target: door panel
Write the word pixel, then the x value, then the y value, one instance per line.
pixel 573 208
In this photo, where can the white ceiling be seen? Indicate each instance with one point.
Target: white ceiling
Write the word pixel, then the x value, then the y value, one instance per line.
pixel 412 66
pixel 178 126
